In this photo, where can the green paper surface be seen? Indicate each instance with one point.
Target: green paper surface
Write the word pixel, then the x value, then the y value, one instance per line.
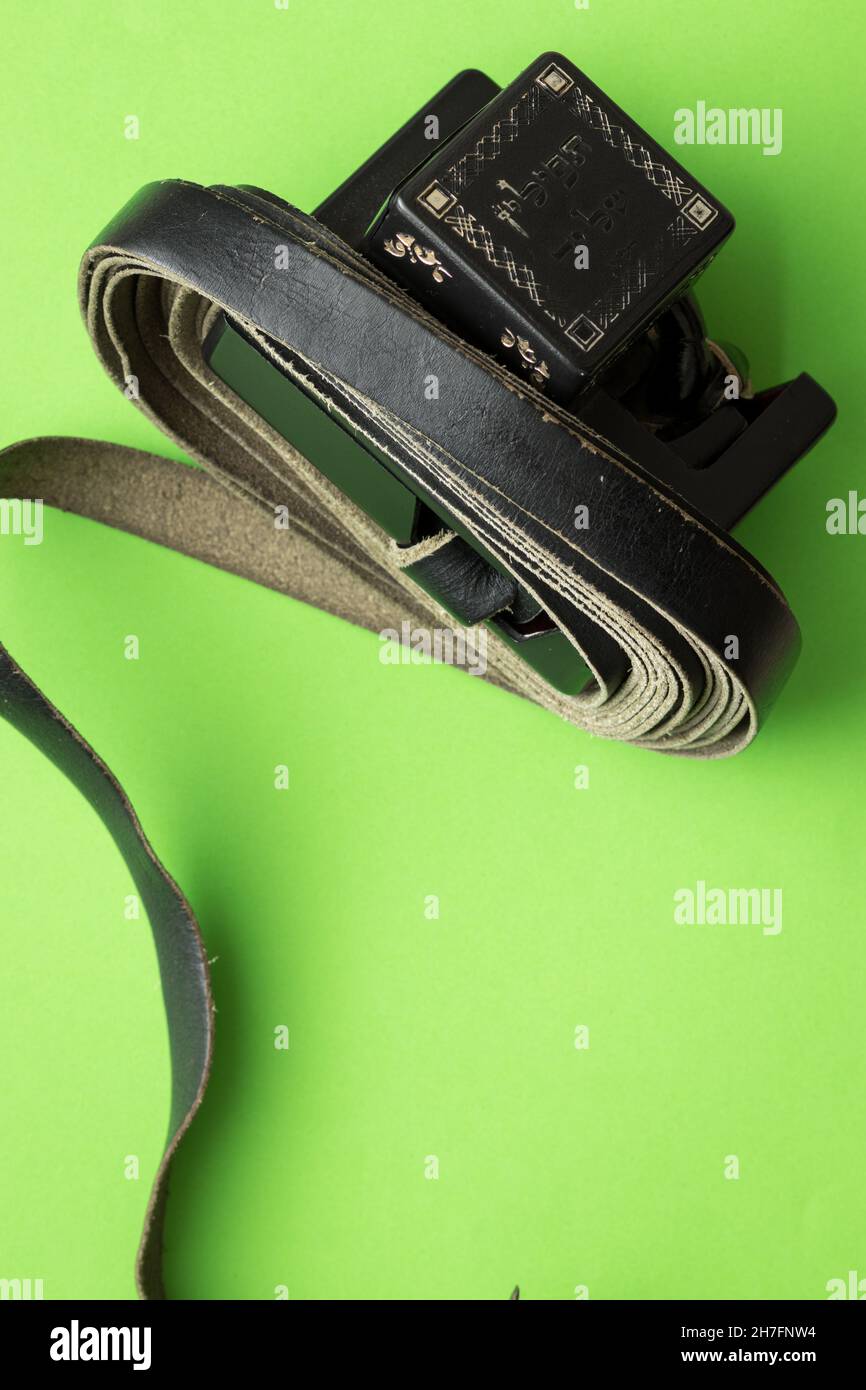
pixel 413 1038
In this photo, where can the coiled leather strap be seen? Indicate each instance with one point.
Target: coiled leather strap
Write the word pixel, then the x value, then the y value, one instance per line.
pixel 649 592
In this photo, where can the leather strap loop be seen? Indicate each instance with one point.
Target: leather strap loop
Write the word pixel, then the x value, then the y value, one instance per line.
pixel 647 577
pixel 649 592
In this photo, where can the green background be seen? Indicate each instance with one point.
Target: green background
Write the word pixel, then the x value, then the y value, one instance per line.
pixel 558 1167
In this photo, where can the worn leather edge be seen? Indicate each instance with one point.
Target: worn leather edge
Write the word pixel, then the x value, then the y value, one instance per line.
pixel 183 965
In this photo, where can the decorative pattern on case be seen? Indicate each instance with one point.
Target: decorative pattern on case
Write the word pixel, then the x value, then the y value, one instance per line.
pixel 466 169
pixel 670 184
pixel 539 372
pixel 467 226
pixel 633 275
pixel 404 244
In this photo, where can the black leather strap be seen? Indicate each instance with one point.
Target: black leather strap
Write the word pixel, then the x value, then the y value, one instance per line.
pixel 649 592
